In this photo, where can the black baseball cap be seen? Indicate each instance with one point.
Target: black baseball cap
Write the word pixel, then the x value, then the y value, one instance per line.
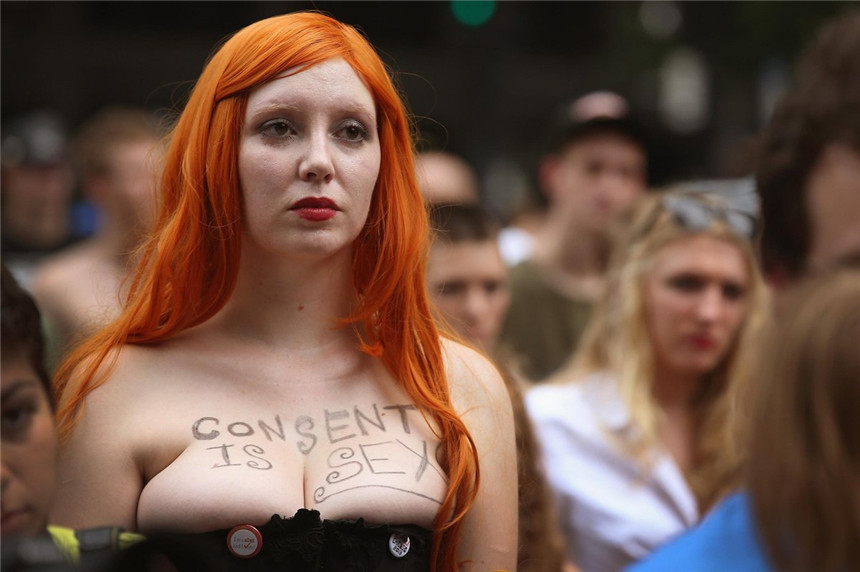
pixel 593 113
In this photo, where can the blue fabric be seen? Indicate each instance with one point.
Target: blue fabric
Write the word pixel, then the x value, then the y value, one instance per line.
pixel 725 540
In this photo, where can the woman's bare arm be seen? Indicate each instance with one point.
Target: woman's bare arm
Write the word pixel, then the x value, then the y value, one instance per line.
pixel 99 482
pixel 489 534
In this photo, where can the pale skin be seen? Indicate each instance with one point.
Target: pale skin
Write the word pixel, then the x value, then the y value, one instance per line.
pixel 268 407
pixel 696 297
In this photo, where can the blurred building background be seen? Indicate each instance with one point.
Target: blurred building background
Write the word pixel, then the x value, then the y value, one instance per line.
pixel 483 78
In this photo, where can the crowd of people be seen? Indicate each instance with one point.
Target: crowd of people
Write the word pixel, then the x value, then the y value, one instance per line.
pixel 274 335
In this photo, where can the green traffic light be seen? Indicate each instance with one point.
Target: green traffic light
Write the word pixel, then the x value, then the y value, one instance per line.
pixel 473 12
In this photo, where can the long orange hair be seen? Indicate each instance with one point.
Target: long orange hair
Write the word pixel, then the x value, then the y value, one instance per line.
pixel 188 267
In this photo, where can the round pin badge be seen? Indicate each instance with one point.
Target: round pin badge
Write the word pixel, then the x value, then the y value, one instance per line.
pixel 398 544
pixel 244 541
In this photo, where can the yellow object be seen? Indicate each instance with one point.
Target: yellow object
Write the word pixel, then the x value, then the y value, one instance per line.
pixel 67 541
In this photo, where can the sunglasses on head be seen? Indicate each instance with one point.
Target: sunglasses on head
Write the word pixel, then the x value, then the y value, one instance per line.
pixel 695 213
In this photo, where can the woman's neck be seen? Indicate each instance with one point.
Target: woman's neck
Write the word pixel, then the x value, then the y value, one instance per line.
pixel 296 303
pixel 675 391
pixel 675 394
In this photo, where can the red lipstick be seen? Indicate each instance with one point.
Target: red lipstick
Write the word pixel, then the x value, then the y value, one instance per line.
pixel 315 209
pixel 702 342
pixel 13 522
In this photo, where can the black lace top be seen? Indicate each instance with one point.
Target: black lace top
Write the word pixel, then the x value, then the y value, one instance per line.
pixel 304 542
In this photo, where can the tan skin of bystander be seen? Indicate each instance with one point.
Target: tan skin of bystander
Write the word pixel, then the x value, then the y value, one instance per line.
pixel 29 449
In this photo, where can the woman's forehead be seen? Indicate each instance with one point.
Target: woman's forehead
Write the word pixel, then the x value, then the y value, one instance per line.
pixel 702 252
pixel 330 80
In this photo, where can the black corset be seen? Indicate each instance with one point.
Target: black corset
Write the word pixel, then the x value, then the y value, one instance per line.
pixel 304 542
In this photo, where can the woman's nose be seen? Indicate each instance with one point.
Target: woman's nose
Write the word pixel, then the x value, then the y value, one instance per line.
pixel 316 163
pixel 710 305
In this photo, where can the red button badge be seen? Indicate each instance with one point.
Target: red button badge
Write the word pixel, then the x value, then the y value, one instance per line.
pixel 244 541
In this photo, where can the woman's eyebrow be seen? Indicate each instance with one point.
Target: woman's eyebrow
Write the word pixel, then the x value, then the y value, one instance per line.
pixel 357 107
pixel 267 106
pixel 277 103
pixel 17 386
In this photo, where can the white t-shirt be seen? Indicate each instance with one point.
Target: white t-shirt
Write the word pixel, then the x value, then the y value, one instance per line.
pixel 613 510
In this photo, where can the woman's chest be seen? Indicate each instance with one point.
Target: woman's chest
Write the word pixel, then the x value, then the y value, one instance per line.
pixel 346 454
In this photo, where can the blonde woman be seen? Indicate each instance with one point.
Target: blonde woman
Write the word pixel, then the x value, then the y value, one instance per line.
pixel 635 432
pixel 801 509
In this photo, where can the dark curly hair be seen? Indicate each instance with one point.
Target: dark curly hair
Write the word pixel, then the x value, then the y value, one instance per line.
pixel 21 328
pixel 821 107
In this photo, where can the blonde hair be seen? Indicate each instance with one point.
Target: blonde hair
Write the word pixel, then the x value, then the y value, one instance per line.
pixel 803 467
pixel 617 341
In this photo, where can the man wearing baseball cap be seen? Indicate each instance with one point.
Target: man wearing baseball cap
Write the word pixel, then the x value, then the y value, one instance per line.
pixel 595 168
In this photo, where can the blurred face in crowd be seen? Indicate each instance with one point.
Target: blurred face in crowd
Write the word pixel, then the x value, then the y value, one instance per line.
pixel 446 178
pixel 29 447
pixel 695 300
pixel 833 199
pixel 469 283
pixel 36 201
pixel 595 179
pixel 128 186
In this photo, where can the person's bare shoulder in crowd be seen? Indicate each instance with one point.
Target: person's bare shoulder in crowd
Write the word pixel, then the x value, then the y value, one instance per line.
pixel 78 288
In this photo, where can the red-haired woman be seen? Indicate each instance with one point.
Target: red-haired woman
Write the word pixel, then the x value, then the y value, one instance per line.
pixel 276 355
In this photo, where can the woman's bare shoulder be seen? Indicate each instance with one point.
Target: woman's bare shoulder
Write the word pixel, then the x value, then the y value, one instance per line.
pixel 125 363
pixel 473 379
pixel 132 374
pixel 100 459
pixel 480 395
pixel 135 415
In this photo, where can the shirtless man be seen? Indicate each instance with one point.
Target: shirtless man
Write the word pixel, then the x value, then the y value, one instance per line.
pixel 81 287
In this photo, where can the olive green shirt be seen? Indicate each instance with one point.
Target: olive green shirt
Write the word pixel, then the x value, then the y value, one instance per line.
pixel 543 326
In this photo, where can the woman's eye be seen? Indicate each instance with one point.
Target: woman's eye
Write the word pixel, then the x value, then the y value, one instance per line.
pixel 733 292
pixel 685 283
pixel 352 131
pixel 277 128
pixel 17 418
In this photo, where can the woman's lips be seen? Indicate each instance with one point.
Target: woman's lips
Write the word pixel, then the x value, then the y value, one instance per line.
pixel 702 342
pixel 315 209
pixel 14 521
